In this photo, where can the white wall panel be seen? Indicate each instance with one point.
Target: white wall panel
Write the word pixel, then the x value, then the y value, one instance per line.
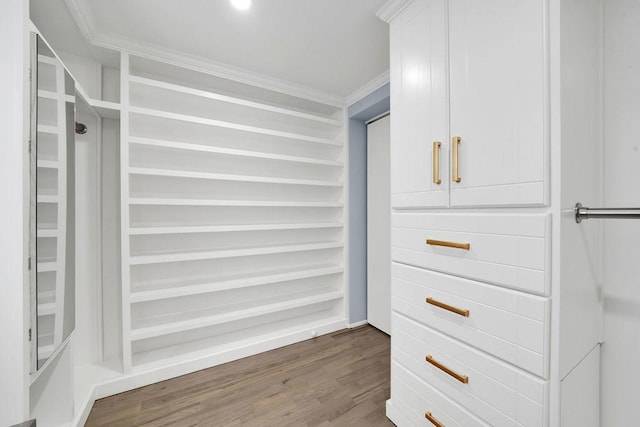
pixel 621 348
pixel 14 313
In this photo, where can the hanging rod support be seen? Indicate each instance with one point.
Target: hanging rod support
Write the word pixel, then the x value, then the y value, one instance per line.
pixel 81 128
pixel 611 213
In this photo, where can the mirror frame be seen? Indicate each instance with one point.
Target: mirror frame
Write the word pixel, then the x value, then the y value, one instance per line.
pixel 63 321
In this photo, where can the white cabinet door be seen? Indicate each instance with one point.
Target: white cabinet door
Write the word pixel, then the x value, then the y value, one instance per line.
pixel 419 101
pixel 497 97
pixel 378 226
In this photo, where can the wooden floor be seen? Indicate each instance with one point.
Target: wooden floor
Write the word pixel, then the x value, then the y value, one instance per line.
pixel 340 379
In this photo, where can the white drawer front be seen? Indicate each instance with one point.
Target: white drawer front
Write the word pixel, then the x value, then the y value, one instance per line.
pixel 509 324
pixel 508 250
pixel 412 397
pixel 496 392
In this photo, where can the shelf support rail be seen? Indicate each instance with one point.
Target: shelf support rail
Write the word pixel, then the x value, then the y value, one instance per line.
pixel 582 212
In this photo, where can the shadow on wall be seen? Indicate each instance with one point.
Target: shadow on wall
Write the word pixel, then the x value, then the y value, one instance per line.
pixel 369 107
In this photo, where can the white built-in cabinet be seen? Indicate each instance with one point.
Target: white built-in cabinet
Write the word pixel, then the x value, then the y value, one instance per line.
pixel 469 89
pixel 494 295
pixel 231 217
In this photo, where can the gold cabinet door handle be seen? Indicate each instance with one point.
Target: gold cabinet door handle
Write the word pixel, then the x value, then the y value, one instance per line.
pixel 455 144
pixel 465 246
pixel 462 378
pixel 433 420
pixel 436 162
pixel 448 307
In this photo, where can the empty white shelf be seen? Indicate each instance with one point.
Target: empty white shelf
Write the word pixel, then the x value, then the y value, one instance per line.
pixel 47 266
pixel 48 129
pixel 195 320
pixel 45 351
pixel 47 309
pixel 47 199
pixel 230 151
pixel 241 203
pixel 47 296
pixel 48 60
pixel 229 177
pixel 46 232
pixel 47 94
pixel 230 253
pixel 106 109
pixel 233 100
pixel 259 336
pixel 227 228
pixel 48 164
pixel 151 294
pixel 229 125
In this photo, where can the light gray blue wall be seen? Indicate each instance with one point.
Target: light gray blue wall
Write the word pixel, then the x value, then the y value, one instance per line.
pixel 357 258
pixel 366 109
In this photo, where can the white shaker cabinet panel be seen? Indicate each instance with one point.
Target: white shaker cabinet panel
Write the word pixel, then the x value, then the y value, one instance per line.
pixel 487 282
pixel 504 249
pixel 469 92
pixel 419 97
pixel 417 403
pixel 497 101
pixel 511 325
pixel 498 393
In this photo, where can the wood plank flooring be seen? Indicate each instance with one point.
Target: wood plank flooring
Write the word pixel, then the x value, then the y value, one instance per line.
pixel 339 379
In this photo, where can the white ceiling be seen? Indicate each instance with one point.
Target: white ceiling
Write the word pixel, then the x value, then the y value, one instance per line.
pixel 333 46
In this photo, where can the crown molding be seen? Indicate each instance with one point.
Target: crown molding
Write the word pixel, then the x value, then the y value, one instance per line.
pixel 392 8
pixel 193 62
pixel 204 65
pixel 365 90
pixel 83 19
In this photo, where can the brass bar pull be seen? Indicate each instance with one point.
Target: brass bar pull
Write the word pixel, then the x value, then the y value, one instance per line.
pixel 433 419
pixel 455 142
pixel 448 307
pixel 436 162
pixel 465 246
pixel 462 378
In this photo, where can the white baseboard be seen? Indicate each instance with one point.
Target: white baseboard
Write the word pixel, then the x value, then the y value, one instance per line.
pixel 357 324
pixel 395 416
pixel 85 409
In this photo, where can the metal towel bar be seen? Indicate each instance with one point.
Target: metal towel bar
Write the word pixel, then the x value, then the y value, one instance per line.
pixel 616 213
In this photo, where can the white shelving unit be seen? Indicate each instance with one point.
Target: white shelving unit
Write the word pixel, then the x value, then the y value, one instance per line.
pixel 232 216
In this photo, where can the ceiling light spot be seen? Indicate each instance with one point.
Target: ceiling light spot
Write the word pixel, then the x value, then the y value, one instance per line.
pixel 241 4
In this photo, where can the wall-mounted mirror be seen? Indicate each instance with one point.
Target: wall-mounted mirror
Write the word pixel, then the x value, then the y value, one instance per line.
pixel 52 217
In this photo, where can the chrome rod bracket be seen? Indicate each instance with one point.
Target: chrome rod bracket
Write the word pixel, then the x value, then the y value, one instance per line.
pixel 582 212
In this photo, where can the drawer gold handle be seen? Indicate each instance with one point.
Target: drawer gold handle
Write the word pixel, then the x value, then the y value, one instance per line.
pixel 455 142
pixel 436 162
pixel 448 307
pixel 433 419
pixel 465 246
pixel 462 378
